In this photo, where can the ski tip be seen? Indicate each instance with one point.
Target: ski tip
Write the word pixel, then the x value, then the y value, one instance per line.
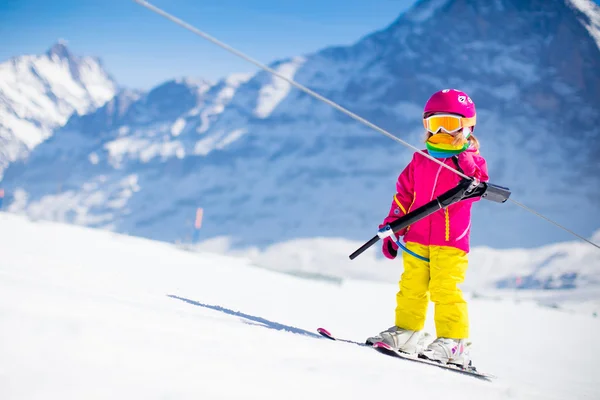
pixel 324 332
pixel 381 345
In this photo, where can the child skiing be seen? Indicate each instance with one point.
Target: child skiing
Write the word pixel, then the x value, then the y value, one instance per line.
pixel 439 243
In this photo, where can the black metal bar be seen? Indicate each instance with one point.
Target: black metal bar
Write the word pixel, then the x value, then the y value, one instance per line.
pixel 364 247
pixel 402 222
pixel 464 190
pixel 495 193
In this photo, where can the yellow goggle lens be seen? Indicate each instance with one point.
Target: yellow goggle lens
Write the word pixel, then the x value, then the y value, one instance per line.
pixel 447 123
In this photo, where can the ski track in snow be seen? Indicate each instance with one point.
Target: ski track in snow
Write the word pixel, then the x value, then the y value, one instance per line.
pixel 95 315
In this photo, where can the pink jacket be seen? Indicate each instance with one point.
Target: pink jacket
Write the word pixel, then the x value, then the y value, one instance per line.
pixel 423 180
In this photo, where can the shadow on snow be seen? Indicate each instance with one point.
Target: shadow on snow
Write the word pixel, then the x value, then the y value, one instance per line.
pixel 251 319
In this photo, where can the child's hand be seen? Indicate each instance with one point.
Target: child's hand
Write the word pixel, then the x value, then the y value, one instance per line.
pixel 389 248
pixel 467 164
pixel 473 165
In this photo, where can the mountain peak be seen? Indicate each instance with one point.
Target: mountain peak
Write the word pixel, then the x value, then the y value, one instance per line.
pixel 60 50
pixel 39 93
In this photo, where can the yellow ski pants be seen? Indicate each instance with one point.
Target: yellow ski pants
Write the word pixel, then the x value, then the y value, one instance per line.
pixel 438 278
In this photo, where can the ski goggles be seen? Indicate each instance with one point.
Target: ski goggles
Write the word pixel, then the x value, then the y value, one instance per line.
pixel 449 123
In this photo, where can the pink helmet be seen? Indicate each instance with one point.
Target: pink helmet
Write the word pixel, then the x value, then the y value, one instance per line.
pixel 450 101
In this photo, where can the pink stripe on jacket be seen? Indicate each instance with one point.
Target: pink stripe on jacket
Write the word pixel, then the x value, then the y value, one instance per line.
pixel 423 180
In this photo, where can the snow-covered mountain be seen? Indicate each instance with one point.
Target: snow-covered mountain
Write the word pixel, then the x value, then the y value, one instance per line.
pixel 268 163
pixel 39 93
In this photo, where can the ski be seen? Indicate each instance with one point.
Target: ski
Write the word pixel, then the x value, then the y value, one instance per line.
pixel 324 332
pixel 386 349
pixel 470 371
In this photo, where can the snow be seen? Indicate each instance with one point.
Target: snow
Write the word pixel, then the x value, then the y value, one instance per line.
pixel 237 79
pixel 55 73
pixel 177 126
pixel 73 205
pixel 227 89
pixel 426 10
pixel 40 93
pixel 94 158
pixel 204 146
pixel 231 137
pixel 272 94
pixel 97 203
pixel 92 314
pixel 27 132
pixel 592 11
pixel 143 149
pixel 202 85
pixel 216 142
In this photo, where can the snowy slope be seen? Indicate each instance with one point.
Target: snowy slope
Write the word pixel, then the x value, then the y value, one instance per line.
pixel 90 314
pixel 272 164
pixel 39 93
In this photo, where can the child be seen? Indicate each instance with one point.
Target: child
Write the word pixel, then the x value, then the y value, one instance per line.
pixel 442 238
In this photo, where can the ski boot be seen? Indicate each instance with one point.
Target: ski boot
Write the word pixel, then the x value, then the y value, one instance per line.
pixel 449 351
pixel 404 340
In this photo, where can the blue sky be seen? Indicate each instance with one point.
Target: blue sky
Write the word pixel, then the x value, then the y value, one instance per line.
pixel 141 49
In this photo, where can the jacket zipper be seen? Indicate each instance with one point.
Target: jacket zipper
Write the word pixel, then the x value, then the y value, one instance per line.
pixel 447 214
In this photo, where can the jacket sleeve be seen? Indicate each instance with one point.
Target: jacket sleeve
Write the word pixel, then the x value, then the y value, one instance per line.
pixel 403 198
pixel 473 165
